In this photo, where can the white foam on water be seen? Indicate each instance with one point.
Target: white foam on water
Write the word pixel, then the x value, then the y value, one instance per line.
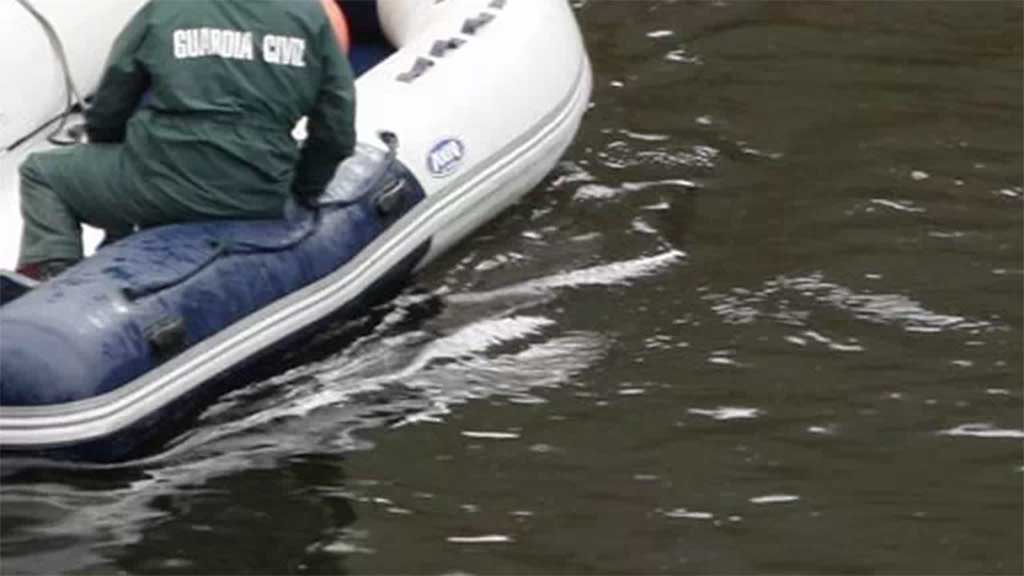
pixel 490 435
pixel 688 514
pixel 878 308
pixel 727 413
pixel 774 499
pixel 982 430
pixel 482 539
pixel 613 274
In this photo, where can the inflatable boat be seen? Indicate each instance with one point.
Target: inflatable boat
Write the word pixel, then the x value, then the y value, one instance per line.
pixel 463 107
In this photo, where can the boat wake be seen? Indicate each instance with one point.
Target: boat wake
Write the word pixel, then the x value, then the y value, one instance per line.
pixel 425 356
pixel 411 368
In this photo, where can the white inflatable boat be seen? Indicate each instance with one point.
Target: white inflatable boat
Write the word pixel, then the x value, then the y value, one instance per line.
pixel 467 109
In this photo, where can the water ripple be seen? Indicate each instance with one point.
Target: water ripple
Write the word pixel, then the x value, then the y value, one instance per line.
pixel 982 430
pixel 365 388
pixel 810 335
pixel 879 308
pixel 603 192
pixel 684 56
pixel 380 380
pixel 613 274
pixel 645 136
pixel 744 306
pixel 774 499
pixel 621 154
pixel 728 413
pixel 660 33
pixel 898 205
pixel 688 514
pixel 482 539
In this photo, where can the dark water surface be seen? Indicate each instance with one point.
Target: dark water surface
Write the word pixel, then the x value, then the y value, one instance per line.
pixel 766 317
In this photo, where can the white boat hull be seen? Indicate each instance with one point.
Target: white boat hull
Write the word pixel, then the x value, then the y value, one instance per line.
pixel 480 127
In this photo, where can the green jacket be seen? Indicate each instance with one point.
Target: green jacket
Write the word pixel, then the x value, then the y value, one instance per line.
pixel 205 93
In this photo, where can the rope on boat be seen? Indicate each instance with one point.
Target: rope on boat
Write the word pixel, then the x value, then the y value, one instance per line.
pixel 75 101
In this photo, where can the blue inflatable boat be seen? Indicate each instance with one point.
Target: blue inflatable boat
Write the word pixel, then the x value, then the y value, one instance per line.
pixel 106 358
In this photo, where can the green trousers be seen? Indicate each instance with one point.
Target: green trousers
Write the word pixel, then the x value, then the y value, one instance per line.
pixel 93 184
pixel 64 188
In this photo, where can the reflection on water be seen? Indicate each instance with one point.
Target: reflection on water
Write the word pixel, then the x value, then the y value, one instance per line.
pixel 982 431
pixel 765 317
pixel 742 306
pixel 408 370
pixel 883 308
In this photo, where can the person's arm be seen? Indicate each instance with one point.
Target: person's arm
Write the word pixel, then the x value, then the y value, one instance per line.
pixel 122 86
pixel 331 124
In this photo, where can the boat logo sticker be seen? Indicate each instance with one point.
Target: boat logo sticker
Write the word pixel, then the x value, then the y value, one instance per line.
pixel 445 157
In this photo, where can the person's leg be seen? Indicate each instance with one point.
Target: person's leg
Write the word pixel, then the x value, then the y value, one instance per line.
pixel 49 231
pixel 61 189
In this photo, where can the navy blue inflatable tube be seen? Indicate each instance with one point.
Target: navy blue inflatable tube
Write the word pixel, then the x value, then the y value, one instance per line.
pixel 136 304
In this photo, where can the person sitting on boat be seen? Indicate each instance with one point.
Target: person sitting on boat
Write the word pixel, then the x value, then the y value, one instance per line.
pixel 192 120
